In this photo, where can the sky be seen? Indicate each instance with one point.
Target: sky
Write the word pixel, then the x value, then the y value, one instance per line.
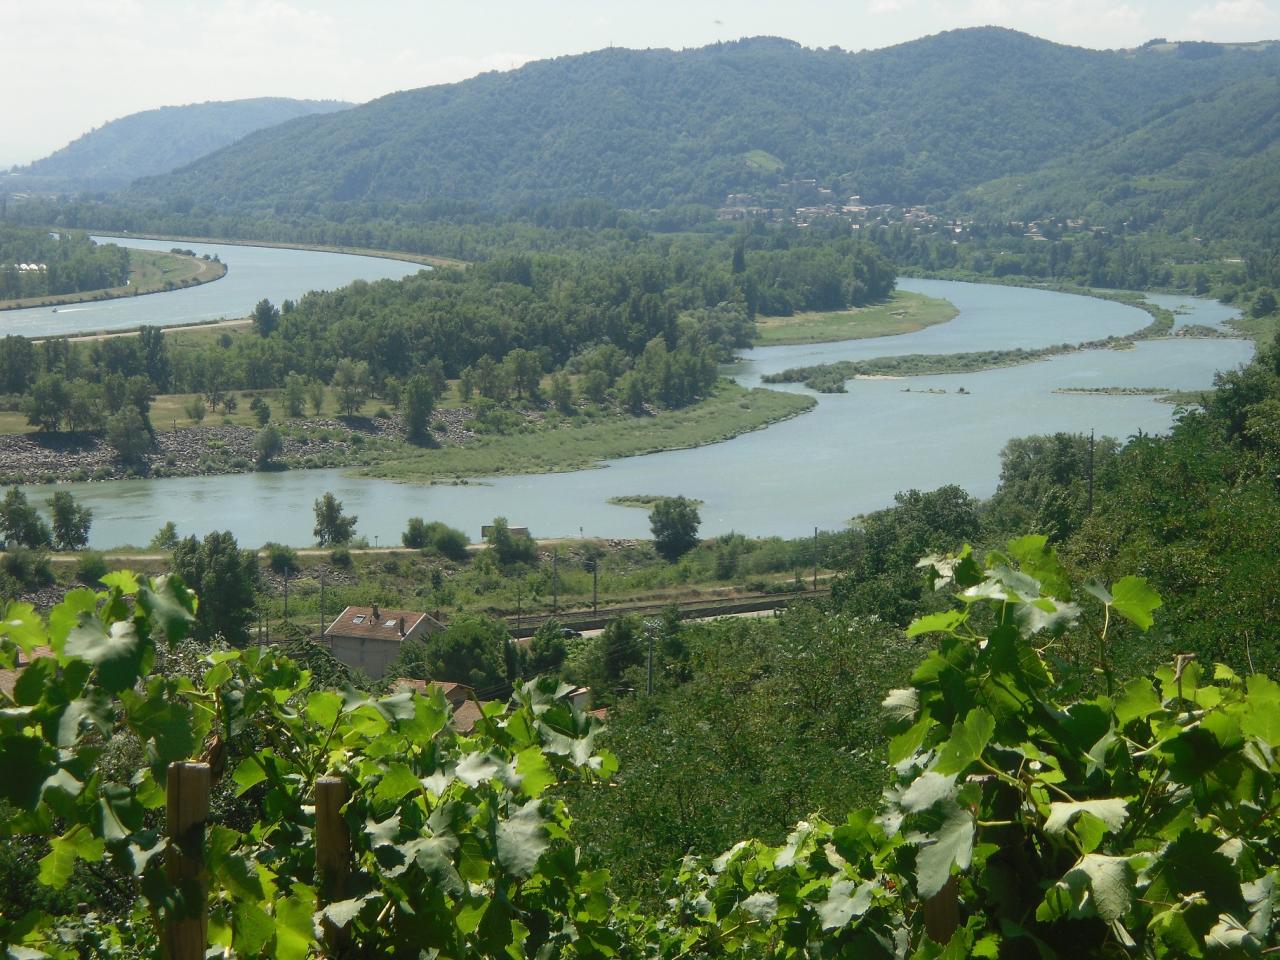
pixel 67 66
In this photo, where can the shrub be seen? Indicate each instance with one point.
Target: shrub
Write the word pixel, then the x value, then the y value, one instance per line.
pixel 29 567
pixel 282 559
pixel 91 567
pixel 415 534
pixel 435 537
pixel 340 557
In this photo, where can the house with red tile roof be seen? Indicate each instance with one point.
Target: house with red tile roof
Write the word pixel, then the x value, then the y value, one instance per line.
pixel 369 638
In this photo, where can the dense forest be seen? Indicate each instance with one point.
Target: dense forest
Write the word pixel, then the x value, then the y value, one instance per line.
pixel 35 263
pixel 1204 163
pixel 658 128
pixel 668 309
pixel 156 141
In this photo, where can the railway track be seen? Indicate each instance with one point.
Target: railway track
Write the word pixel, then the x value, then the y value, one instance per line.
pixel 527 625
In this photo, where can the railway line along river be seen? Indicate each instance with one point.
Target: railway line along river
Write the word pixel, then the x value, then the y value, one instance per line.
pixel 849 455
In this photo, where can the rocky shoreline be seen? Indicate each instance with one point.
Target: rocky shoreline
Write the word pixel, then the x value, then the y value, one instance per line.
pixel 213 450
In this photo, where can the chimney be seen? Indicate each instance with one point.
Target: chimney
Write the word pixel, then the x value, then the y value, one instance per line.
pixel 402 628
pixel 376 615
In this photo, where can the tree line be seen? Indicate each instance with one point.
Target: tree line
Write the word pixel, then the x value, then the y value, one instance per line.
pixel 647 320
pixel 56 263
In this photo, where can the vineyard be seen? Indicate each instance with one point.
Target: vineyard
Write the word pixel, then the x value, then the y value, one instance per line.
pixel 242 811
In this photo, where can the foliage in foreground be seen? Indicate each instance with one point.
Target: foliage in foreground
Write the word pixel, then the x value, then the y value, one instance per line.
pixel 1138 822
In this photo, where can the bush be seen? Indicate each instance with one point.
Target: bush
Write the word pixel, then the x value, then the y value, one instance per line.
pixel 449 542
pixel 415 535
pixel 29 567
pixel 508 548
pixel 10 589
pixel 340 557
pixel 282 559
pixel 91 568
pixel 435 537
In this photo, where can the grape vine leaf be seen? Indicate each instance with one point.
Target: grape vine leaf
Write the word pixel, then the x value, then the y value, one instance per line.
pixel 56 867
pixel 943 622
pixel 522 838
pixel 951 843
pixel 1097 885
pixel 1112 811
pixel 1133 599
pixel 927 790
pixel 969 737
pixel 845 900
pixel 117 652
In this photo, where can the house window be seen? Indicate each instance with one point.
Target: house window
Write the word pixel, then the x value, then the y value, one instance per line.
pixel 359 618
pixel 390 623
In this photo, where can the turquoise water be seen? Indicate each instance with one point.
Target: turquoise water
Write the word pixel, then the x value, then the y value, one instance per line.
pixel 252 274
pixel 849 455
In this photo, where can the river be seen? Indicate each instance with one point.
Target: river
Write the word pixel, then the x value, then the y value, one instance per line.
pixel 252 273
pixel 849 455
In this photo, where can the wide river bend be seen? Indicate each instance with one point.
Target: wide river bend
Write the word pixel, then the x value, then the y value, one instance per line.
pixel 849 455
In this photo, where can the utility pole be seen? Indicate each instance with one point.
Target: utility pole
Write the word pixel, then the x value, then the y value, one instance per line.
pixel 555 581
pixel 517 610
pixel 595 586
pixel 286 593
pixel 1089 510
pixel 321 633
pixel 649 630
pixel 815 559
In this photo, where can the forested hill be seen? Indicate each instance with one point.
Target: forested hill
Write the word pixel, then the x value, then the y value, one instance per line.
pixel 157 141
pixel 1210 163
pixel 653 128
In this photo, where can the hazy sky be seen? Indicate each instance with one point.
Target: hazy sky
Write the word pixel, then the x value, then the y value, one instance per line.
pixel 67 66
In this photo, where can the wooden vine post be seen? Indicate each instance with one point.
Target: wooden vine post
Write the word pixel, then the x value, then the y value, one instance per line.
pixel 186 927
pixel 942 914
pixel 333 849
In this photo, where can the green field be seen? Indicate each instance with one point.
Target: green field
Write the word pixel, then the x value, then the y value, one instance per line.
pixel 902 313
pixel 577 443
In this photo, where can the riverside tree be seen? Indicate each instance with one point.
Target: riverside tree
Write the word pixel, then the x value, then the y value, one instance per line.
pixel 71 522
pixel 47 403
pixel 674 522
pixel 127 432
pixel 266 317
pixel 351 383
pixel 332 525
pixel 419 401
pixel 267 446
pixel 20 522
pixel 226 578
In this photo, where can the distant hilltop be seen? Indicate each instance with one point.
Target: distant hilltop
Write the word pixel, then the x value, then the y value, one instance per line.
pixel 643 129
pixel 157 141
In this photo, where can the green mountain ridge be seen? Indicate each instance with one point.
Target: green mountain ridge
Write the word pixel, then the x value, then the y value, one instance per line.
pixel 157 141
pixel 654 128
pixel 1207 164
